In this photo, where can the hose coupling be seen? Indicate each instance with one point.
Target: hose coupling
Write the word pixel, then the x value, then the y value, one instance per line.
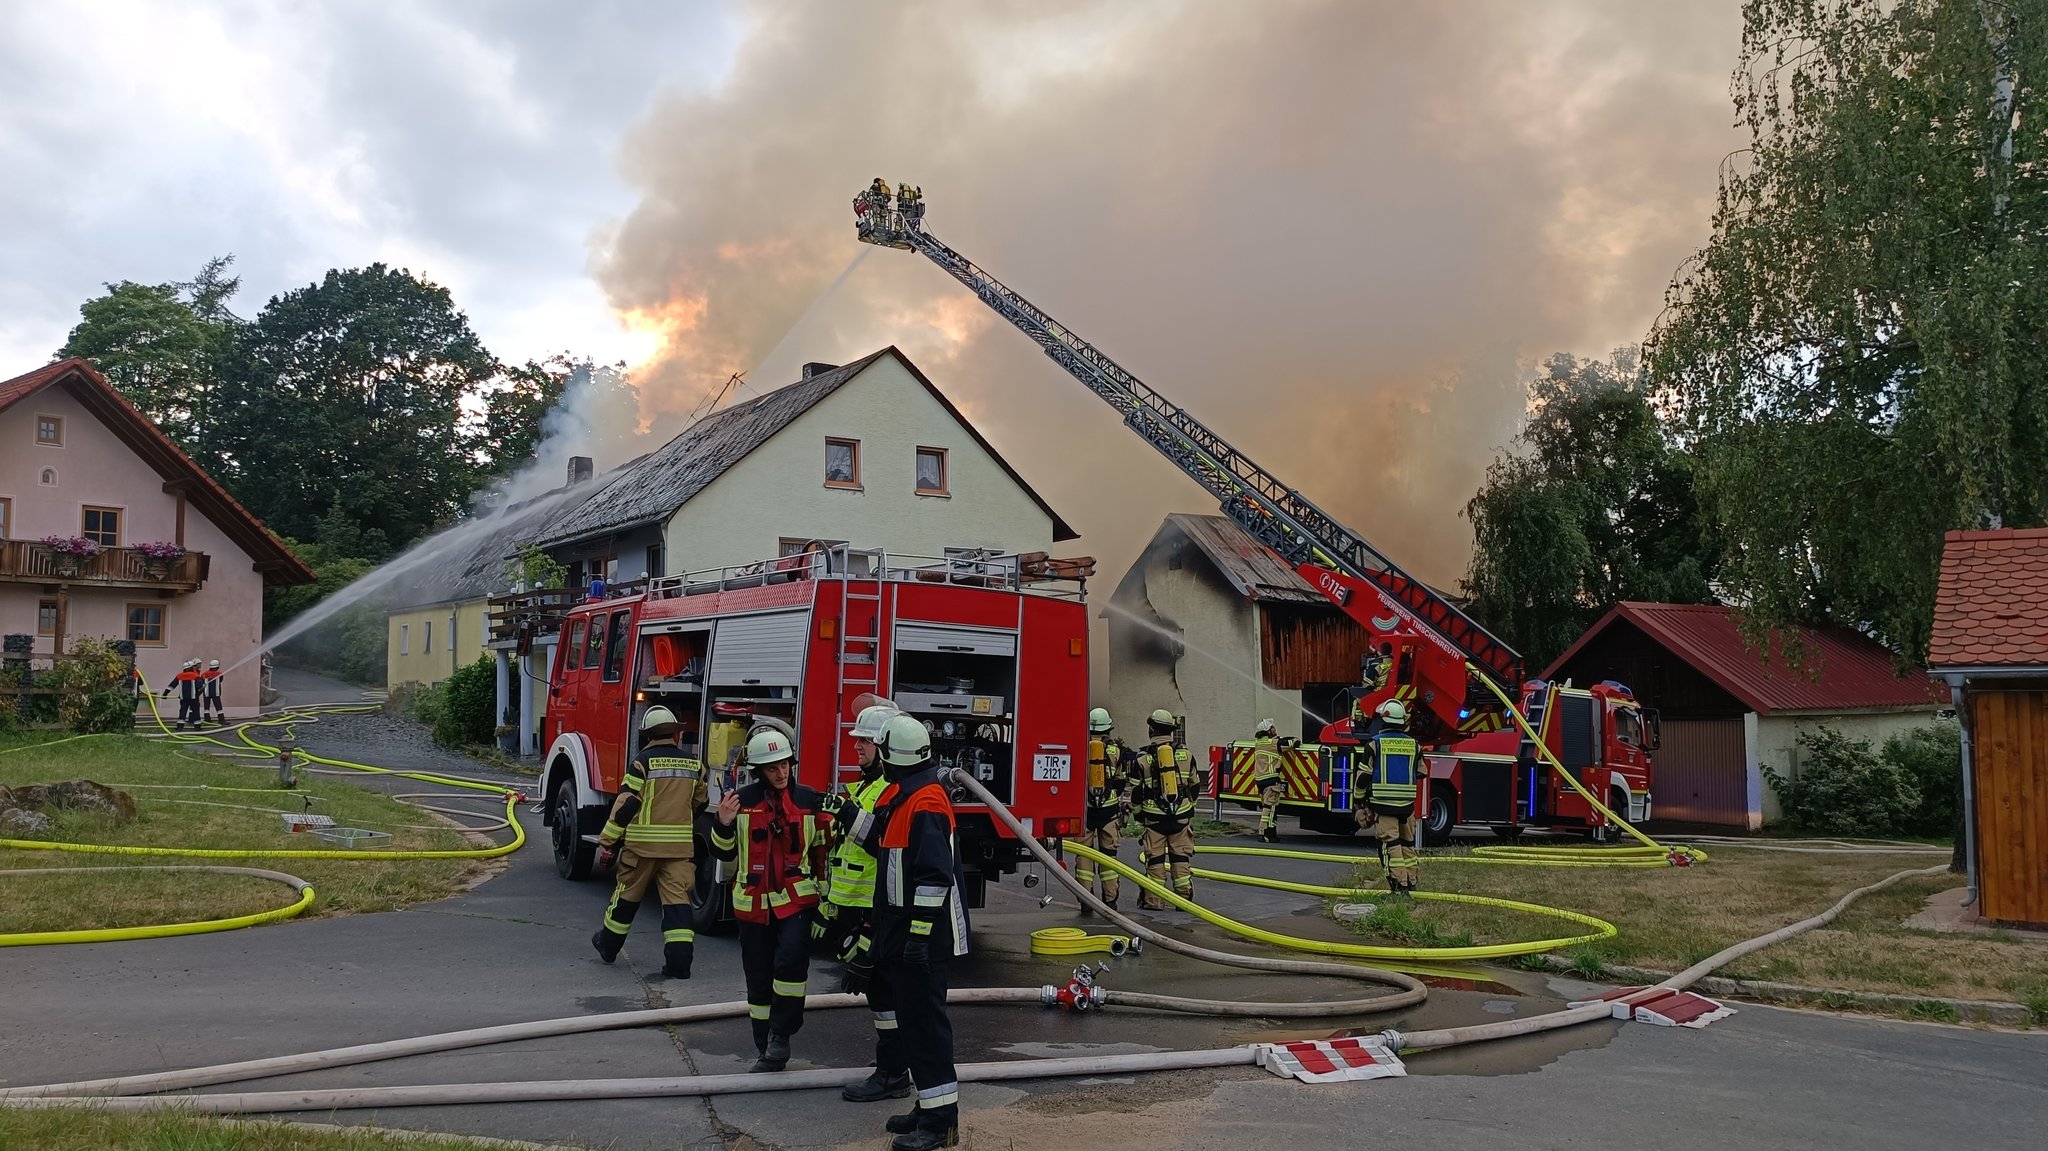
pixel 1392 1040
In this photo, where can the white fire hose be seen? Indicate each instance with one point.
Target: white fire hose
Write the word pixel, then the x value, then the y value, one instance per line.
pixel 128 1093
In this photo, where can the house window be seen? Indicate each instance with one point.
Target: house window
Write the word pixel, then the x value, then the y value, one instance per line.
pixel 405 639
pixel 46 617
pixel 842 463
pixel 50 431
pixel 146 624
pixel 426 635
pixel 653 561
pixel 103 526
pixel 931 471
pixel 49 477
pixel 6 518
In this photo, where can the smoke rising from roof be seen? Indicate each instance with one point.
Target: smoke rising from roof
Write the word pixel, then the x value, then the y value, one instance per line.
pixel 1336 231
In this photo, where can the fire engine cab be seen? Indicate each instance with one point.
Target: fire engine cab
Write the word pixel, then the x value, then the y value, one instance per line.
pixel 1600 733
pixel 989 650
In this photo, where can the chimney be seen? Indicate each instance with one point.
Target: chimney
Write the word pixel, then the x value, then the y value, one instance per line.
pixel 580 469
pixel 814 368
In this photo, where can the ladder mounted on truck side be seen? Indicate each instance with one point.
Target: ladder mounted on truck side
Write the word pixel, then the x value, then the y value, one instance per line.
pixel 1430 641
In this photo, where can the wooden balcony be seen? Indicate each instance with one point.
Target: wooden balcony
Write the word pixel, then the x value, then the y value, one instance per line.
pixel 28 561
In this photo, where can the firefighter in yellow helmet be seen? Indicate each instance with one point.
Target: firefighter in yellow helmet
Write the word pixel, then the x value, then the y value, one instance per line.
pixel 1164 790
pixel 770 830
pixel 1109 802
pixel 1266 777
pixel 1392 759
pixel 649 831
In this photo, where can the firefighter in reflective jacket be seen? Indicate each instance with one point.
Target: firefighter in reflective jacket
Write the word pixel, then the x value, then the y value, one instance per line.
pixel 187 684
pixel 850 905
pixel 210 700
pixel 1266 777
pixel 1392 760
pixel 650 831
pixel 1165 789
pixel 1109 802
pixel 770 829
pixel 920 927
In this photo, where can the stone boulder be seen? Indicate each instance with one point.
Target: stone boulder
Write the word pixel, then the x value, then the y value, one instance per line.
pixel 16 822
pixel 69 795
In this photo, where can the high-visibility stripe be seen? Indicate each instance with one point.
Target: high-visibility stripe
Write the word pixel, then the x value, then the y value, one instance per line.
pixel 612 832
pixel 759 1010
pixel 882 1024
pixel 789 987
pixel 658 833
pixel 722 839
pixel 679 935
pixel 920 927
pixel 633 781
pixel 615 927
pixel 943 1095
pixel 930 896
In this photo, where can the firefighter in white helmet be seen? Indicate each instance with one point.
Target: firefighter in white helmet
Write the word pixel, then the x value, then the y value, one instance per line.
pixel 770 830
pixel 1164 789
pixel 1266 777
pixel 1109 802
pixel 850 905
pixel 1392 759
pixel 650 831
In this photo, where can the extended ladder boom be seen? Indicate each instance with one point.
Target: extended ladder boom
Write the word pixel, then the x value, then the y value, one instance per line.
pixel 1273 513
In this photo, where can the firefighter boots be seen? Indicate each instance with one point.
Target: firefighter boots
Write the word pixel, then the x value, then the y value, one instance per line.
pixel 902 1124
pixel 607 944
pixel 775 1056
pixel 878 1086
pixel 1270 835
pixel 925 1139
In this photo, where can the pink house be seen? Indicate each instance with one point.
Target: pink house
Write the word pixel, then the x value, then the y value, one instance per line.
pixel 175 564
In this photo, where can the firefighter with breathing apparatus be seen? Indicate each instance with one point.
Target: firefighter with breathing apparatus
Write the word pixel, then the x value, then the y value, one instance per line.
pixel 1392 759
pixel 769 829
pixel 1109 802
pixel 1266 777
pixel 920 926
pixel 650 831
pixel 849 905
pixel 1164 789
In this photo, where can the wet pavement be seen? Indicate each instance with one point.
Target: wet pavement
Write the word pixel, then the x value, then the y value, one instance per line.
pixel 516 948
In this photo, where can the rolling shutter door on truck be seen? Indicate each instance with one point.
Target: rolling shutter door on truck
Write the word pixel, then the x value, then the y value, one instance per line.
pixel 760 649
pixel 919 637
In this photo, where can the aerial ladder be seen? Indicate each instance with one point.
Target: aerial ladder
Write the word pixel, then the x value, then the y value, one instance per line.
pixel 1431 655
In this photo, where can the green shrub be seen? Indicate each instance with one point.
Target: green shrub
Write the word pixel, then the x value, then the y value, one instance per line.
pixel 1845 788
pixel 1932 757
pixel 93 687
pixel 468 705
pixel 420 701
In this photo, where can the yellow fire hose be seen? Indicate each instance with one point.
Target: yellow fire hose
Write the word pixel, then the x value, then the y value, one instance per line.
pixel 306 894
pixel 1074 941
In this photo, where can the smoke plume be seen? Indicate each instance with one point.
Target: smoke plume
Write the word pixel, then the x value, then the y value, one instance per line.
pixel 1338 232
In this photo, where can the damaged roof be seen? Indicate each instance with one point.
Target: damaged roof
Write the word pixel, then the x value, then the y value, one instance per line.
pixel 481 549
pixel 667 478
pixel 1255 570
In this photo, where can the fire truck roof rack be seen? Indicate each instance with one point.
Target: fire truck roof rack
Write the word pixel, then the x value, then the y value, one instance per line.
pixel 1032 572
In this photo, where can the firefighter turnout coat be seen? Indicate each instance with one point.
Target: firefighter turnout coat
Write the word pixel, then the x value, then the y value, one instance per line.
pixel 778 847
pixel 917 896
pixel 656 811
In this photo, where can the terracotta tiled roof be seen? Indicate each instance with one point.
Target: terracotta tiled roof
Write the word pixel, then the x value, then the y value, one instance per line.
pixel 146 440
pixel 1992 609
pixel 1840 669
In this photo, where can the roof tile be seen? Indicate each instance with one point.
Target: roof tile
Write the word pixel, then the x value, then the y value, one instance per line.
pixel 1992 606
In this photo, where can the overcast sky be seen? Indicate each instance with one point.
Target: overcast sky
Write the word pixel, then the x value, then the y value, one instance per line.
pixel 1340 231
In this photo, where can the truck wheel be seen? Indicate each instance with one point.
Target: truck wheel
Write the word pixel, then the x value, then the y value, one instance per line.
pixel 574 859
pixel 710 900
pixel 1439 817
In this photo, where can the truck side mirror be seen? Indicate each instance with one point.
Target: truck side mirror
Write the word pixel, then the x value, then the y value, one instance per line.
pixel 1653 729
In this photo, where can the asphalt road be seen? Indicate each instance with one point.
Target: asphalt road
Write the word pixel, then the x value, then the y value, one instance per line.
pixel 516 948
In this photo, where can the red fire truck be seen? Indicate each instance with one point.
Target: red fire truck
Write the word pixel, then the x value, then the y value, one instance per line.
pixel 1600 733
pixel 989 650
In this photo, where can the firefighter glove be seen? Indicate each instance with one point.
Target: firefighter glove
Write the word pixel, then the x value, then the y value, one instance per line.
pixel 823 923
pixel 833 804
pixel 606 853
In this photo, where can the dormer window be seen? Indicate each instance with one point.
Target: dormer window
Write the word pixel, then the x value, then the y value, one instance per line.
pixel 50 431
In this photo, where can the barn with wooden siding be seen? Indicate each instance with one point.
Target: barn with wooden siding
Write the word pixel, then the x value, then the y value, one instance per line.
pixel 1990 646
pixel 1728 711
pixel 1211 624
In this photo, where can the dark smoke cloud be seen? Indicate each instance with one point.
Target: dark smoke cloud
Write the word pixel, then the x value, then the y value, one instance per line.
pixel 1338 232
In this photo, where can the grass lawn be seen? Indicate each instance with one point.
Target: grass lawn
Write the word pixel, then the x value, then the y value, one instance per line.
pixel 1671 918
pixel 69 1129
pixel 125 899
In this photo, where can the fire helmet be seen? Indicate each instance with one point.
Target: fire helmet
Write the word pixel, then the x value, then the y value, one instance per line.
pixel 1266 727
pixel 767 747
pixel 213 663
pixel 873 720
pixel 1393 714
pixel 905 742
pixel 1161 717
pixel 657 717
pixel 1098 720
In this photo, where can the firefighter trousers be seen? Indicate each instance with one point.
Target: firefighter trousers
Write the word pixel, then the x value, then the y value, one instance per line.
pixel 926 1042
pixel 1396 833
pixel 1270 792
pixel 672 881
pixel 1168 851
pixel 776 957
pixel 1105 839
pixel 188 710
pixel 891 1057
